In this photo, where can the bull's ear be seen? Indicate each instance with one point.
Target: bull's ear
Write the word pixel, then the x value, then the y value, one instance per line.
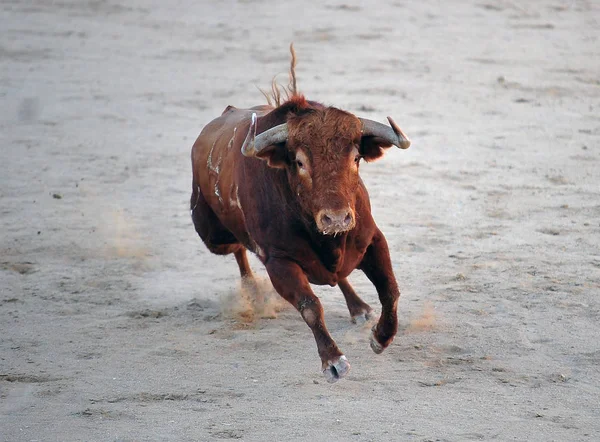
pixel 275 155
pixel 373 148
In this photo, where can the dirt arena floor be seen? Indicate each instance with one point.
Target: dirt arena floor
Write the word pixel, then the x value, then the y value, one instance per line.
pixel 116 323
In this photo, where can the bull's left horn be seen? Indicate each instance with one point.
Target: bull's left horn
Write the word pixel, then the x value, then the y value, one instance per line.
pixel 393 134
pixel 253 143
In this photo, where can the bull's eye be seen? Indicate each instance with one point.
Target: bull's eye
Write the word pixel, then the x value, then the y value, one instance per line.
pixel 300 164
pixel 357 159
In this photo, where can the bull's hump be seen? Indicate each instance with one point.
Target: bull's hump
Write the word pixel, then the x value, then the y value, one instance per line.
pixel 227 109
pixel 262 108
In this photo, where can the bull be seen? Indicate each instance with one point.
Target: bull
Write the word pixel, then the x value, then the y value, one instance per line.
pixel 282 180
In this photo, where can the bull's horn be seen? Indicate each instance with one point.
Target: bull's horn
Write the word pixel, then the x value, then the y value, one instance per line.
pixel 253 143
pixel 393 134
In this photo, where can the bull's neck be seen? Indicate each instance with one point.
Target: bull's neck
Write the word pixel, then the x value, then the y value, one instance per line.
pixel 329 248
pixel 331 251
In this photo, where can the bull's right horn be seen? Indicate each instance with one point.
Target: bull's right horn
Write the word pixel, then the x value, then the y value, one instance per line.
pixel 253 143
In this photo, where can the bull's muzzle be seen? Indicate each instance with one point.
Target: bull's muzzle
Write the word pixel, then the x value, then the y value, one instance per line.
pixel 332 222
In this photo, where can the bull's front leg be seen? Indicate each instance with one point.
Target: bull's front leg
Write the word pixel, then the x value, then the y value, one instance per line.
pixel 292 284
pixel 377 265
pixel 359 309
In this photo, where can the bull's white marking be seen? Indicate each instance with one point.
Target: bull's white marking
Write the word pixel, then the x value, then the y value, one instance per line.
pixel 260 252
pixel 230 144
pixel 209 162
pixel 217 192
pixel 239 203
pixel 215 169
pixel 197 199
pixel 233 197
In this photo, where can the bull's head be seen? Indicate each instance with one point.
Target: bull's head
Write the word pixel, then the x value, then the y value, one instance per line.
pixel 321 150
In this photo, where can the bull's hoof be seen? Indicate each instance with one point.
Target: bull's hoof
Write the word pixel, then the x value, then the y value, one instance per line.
pixel 376 346
pixel 362 317
pixel 336 369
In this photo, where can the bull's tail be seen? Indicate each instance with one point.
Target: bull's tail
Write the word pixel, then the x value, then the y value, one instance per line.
pixel 279 93
pixel 292 85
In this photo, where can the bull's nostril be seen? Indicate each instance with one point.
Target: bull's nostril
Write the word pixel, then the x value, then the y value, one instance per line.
pixel 335 221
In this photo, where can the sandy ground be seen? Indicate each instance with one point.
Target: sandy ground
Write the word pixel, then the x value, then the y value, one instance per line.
pixel 117 324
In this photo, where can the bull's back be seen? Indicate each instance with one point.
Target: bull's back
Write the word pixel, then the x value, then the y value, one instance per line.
pixel 211 139
pixel 216 155
pixel 220 136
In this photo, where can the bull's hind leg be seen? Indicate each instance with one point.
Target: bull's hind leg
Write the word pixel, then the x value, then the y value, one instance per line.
pixel 377 265
pixel 248 280
pixel 359 310
pixel 242 261
pixel 217 237
pixel 291 283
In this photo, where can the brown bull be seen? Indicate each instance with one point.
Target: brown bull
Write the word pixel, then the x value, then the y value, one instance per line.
pixel 282 181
